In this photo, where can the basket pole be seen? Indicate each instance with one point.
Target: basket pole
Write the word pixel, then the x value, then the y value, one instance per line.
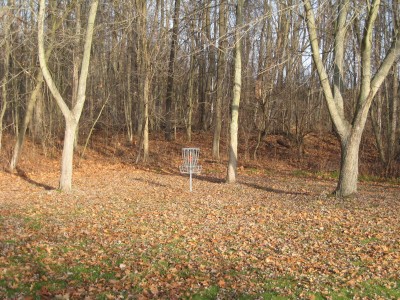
pixel 190 180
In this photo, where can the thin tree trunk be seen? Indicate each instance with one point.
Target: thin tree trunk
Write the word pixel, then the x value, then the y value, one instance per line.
pixel 170 80
pixel 76 60
pixel 146 118
pixel 25 123
pixel 128 105
pixel 376 121
pixel 237 84
pixel 6 61
pixel 393 111
pixel 190 101
pixel 144 71
pixel 220 80
pixel 36 93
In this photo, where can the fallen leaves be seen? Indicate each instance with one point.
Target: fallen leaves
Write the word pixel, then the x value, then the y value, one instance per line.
pixel 128 233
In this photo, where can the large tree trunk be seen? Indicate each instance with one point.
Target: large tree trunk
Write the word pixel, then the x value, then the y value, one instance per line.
pixel 67 155
pixel 350 132
pixel 237 85
pixel 348 177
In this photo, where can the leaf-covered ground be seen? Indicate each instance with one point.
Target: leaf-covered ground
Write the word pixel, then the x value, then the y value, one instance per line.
pixel 129 233
pixel 132 231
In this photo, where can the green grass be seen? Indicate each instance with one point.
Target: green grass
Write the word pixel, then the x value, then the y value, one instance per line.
pixel 11 288
pixel 274 289
pixel 374 178
pixel 369 240
pixel 208 294
pixel 300 173
pixel 328 175
pixel 33 223
pixel 287 288
pixel 390 290
pixel 81 273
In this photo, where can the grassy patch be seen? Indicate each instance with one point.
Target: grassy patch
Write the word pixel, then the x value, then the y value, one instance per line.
pixel 82 273
pixel 208 294
pixel 374 178
pixel 300 173
pixel 369 240
pixel 328 175
pixel 33 223
pixel 388 290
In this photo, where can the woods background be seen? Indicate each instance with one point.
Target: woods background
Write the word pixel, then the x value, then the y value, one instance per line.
pixel 168 66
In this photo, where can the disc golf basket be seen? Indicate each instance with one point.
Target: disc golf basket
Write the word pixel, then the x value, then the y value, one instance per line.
pixel 190 165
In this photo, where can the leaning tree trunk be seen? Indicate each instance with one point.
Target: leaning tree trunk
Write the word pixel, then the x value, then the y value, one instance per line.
pixel 32 101
pixel 27 118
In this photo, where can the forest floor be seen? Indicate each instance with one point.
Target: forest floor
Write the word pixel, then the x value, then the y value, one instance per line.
pixel 135 231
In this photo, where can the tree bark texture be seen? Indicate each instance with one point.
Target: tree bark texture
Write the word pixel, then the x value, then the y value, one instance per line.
pixel 234 126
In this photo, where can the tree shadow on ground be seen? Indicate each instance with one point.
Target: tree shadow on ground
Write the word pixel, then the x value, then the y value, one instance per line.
pixel 207 178
pixel 22 174
pixel 249 184
pixel 272 190
pixel 151 182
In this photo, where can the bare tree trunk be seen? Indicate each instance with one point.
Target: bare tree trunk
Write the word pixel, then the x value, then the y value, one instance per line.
pixel 220 80
pixel 393 115
pixel 170 80
pixel 376 121
pixel 350 133
pixel 204 105
pixel 71 116
pixel 36 93
pixel 6 61
pixel 128 105
pixel 348 176
pixel 144 75
pixel 190 101
pixel 67 155
pixel 28 116
pixel 237 84
pixel 146 118
pixel 76 60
